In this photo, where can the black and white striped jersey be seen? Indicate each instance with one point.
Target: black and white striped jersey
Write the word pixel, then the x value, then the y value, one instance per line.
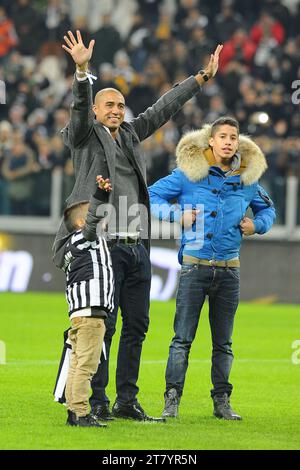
pixel 89 274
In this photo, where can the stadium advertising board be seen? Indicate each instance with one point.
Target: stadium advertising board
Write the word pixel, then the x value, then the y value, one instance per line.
pixel 26 265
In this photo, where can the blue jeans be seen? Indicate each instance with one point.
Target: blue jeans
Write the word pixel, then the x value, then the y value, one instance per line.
pixel 222 286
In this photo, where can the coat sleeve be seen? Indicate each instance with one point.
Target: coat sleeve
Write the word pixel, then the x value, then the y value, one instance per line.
pixel 80 125
pixel 58 248
pixel 263 210
pixel 161 193
pixel 93 217
pixel 89 232
pixel 169 104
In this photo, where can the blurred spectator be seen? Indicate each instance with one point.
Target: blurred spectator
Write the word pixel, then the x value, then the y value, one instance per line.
pixel 125 76
pixel 150 10
pixel 248 10
pixel 16 117
pixel 227 21
pixel 184 9
pixel 106 78
pixel 290 60
pixel 295 125
pixel 190 117
pixel 68 180
pixel 198 47
pixel 5 146
pixel 217 109
pixel 275 180
pixel 28 24
pixel 46 162
pixel 63 161
pixel 278 107
pixel 163 29
pixel 159 150
pixel 18 169
pixel 230 83
pixel 240 47
pixel 155 73
pixel 266 29
pixel 8 36
pixel 136 42
pixel 141 96
pixel 107 42
pixel 60 119
pixel 37 127
pixel 25 97
pixel 13 70
pixel 280 11
pixel 194 18
pixel 49 65
pixel 248 104
pixel 56 20
pixel 174 56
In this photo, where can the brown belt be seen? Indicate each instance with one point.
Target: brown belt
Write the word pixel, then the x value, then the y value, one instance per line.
pixel 230 263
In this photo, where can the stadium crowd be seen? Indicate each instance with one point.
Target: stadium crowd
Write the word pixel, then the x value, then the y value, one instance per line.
pixel 143 48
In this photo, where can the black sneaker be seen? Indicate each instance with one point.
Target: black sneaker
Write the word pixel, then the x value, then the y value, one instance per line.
pixel 134 411
pixel 89 421
pixel 102 412
pixel 171 404
pixel 71 420
pixel 222 408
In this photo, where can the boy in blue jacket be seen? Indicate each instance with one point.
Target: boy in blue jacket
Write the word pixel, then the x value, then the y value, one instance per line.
pixel 215 182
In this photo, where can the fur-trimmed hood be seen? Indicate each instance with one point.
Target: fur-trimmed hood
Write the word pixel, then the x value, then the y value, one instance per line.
pixel 194 157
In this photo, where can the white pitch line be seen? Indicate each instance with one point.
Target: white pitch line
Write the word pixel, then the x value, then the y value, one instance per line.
pixel 151 362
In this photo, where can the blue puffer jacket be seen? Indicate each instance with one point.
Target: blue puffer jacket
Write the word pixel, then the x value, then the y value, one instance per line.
pixel 222 201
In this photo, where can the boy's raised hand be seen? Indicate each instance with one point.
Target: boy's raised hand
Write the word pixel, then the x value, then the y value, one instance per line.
pixel 104 184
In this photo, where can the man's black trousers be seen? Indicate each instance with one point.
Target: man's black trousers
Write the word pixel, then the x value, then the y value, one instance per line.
pixel 132 270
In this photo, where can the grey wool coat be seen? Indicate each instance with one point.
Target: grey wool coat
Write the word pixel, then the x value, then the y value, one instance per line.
pixel 93 149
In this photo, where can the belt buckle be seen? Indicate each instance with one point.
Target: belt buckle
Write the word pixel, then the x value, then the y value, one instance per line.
pixel 130 241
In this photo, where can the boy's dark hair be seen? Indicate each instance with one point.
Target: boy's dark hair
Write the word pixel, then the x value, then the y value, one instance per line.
pixel 73 213
pixel 230 121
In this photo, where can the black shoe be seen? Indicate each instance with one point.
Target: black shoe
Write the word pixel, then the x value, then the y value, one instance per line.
pixel 71 420
pixel 222 408
pixel 102 412
pixel 89 421
pixel 134 411
pixel 171 404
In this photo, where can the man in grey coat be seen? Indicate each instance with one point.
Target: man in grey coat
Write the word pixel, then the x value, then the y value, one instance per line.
pixel 102 143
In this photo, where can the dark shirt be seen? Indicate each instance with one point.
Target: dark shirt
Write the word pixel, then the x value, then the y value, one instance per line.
pixel 126 194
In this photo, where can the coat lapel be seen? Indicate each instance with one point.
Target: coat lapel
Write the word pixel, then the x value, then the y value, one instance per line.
pixel 128 148
pixel 109 147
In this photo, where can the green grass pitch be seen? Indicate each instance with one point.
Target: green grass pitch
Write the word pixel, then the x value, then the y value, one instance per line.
pixel 266 382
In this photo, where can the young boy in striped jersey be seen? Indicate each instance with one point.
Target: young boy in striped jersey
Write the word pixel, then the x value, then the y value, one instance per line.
pixel 89 292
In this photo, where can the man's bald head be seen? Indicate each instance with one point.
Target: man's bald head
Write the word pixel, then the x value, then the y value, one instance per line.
pixel 109 108
pixel 105 91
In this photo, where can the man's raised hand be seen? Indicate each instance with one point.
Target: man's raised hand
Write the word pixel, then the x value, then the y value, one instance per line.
pixel 212 66
pixel 75 47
